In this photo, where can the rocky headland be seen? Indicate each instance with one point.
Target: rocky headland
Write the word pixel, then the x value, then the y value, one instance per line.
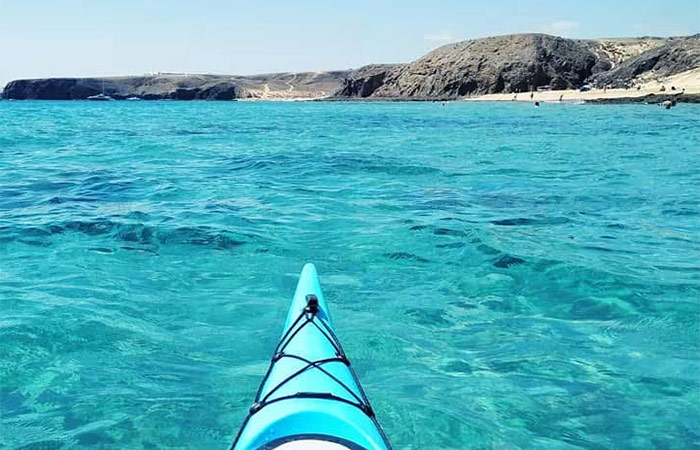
pixel 524 63
pixel 172 86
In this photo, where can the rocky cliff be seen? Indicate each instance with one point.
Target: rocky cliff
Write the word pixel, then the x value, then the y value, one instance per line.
pixel 149 88
pixel 670 57
pixel 181 87
pixel 515 63
pixel 365 81
pixel 520 63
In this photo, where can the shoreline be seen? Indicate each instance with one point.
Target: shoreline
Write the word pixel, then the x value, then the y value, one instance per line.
pixel 651 98
pixel 592 96
pixel 489 98
pixel 687 86
pixel 649 89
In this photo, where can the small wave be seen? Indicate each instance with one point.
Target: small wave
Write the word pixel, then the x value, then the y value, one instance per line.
pixel 451 245
pixel 429 316
pixel 458 366
pixel 129 233
pixel 681 212
pixel 601 308
pixel 683 269
pixel 449 232
pixel 507 261
pixel 405 256
pixel 487 250
pixel 524 221
pixel 58 200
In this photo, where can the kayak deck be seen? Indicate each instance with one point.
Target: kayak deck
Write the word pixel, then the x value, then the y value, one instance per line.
pixel 306 444
pixel 310 392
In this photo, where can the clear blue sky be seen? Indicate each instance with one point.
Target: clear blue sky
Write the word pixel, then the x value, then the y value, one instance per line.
pixel 42 38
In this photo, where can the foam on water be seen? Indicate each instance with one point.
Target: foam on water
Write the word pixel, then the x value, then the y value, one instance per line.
pixel 501 276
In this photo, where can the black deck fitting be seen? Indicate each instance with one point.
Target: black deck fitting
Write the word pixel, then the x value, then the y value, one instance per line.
pixel 255 408
pixel 312 303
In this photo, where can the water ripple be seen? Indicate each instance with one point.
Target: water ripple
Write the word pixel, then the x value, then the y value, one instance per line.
pixel 538 269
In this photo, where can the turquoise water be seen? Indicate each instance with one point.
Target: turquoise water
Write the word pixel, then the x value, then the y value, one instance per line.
pixel 501 276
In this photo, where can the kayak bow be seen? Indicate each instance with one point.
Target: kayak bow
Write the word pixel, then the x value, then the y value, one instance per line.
pixel 310 394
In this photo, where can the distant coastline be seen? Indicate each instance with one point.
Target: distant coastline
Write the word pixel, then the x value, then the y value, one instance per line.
pixel 524 67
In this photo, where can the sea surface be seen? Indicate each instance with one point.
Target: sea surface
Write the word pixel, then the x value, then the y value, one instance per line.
pixel 502 276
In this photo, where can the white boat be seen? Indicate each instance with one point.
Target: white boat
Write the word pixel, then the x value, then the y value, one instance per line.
pixel 101 97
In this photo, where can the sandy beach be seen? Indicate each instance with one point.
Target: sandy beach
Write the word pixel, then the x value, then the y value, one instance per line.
pixel 689 80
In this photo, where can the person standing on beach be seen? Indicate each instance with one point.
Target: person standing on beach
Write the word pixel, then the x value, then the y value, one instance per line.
pixel 561 97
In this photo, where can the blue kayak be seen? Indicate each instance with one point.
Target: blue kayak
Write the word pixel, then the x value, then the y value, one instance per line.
pixel 310 394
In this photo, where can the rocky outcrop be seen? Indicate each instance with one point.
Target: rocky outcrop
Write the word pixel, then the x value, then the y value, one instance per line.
pixel 615 51
pixel 521 63
pixel 672 57
pixel 50 89
pixel 514 63
pixel 652 99
pixel 149 88
pixel 180 87
pixel 218 91
pixel 365 81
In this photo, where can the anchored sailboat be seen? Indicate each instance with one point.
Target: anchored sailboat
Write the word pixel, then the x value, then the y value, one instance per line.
pixel 101 96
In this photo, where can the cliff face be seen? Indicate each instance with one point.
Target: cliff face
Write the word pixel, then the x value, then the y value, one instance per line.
pixel 148 88
pixel 515 63
pixel 671 57
pixel 520 63
pixel 50 89
pixel 181 87
pixel 365 81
